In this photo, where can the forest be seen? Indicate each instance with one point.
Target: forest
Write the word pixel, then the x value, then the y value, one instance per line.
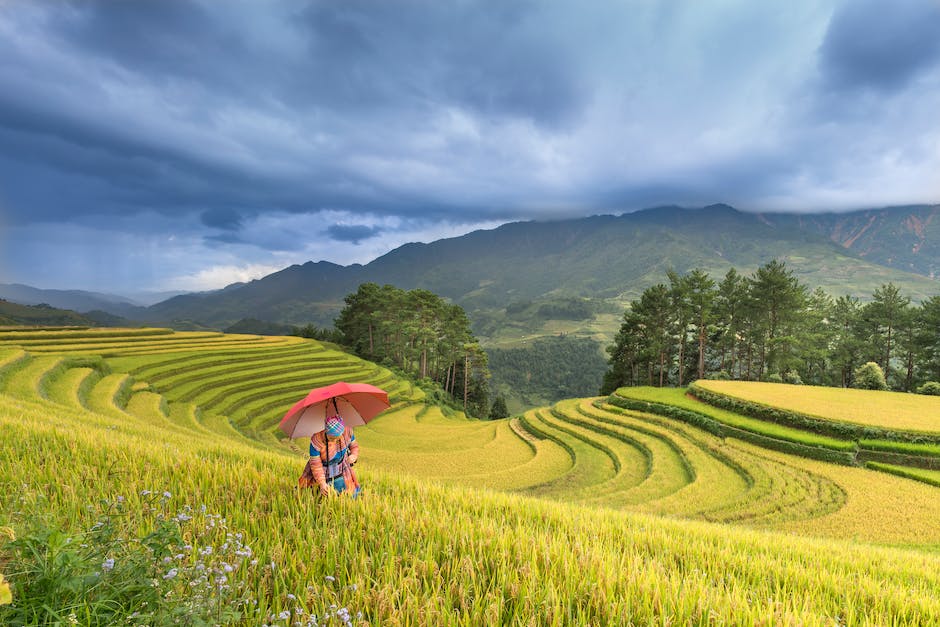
pixel 421 334
pixel 549 368
pixel 769 326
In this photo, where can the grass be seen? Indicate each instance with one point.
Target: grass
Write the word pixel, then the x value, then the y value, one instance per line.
pixel 888 410
pixel 472 557
pixel 930 477
pixel 582 513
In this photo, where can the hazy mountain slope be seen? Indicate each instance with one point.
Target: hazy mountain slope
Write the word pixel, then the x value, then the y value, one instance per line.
pixel 610 257
pixel 40 315
pixel 907 238
pixel 75 300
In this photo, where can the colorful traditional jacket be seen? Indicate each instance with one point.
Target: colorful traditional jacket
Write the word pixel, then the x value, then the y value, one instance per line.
pixel 338 465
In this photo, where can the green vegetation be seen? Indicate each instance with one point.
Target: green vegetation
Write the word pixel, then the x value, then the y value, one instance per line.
pixel 580 513
pixel 547 369
pixel 40 315
pixel 931 388
pixel 869 376
pixel 420 333
pixel 770 327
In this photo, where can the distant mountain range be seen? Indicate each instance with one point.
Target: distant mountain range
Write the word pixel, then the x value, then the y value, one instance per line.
pixel 608 259
pixel 81 300
pixel 601 257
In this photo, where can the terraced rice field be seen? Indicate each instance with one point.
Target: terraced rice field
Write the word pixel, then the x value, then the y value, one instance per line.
pixel 580 513
pixel 889 410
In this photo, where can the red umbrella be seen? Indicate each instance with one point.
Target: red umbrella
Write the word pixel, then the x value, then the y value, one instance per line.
pixel 356 403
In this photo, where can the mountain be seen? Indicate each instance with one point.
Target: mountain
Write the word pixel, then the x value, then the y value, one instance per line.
pixel 907 238
pixel 15 314
pixel 75 300
pixel 608 259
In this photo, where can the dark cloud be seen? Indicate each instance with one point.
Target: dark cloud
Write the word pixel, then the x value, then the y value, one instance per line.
pixel 352 233
pixel 420 54
pixel 244 124
pixel 880 45
pixel 224 238
pixel 223 218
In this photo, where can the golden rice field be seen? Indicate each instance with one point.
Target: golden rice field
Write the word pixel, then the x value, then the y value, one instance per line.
pixel 890 410
pixel 580 513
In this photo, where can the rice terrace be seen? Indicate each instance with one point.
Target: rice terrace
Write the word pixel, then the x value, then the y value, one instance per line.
pixel 646 507
pixel 329 313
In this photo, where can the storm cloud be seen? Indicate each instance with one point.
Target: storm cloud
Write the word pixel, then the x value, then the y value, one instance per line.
pixel 194 139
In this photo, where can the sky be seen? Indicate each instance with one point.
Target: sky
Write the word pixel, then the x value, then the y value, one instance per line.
pixel 156 145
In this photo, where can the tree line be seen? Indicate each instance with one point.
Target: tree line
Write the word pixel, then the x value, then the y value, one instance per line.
pixel 420 333
pixel 770 326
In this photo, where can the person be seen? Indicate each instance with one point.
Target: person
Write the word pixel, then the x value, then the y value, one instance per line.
pixel 334 475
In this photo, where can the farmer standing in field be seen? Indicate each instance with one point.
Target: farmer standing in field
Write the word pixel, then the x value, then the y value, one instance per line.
pixel 333 452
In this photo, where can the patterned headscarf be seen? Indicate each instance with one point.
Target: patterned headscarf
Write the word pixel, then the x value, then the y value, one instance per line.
pixel 334 426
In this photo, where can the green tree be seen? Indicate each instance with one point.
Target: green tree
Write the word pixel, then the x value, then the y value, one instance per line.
pixel 358 318
pixel 778 300
pixel 929 340
pixel 654 317
pixel 883 315
pixel 420 333
pixel 701 293
pixel 815 332
pixel 681 314
pixel 869 376
pixel 499 409
pixel 846 346
pixel 626 354
pixel 730 304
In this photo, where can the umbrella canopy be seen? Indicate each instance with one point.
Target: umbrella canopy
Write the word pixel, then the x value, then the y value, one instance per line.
pixel 356 403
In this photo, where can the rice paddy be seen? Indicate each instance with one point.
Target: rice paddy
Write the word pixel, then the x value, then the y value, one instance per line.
pixel 580 513
pixel 889 410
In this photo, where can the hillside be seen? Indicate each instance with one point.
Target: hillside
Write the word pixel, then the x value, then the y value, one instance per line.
pixel 175 431
pixel 40 315
pixel 906 238
pixel 75 300
pixel 606 258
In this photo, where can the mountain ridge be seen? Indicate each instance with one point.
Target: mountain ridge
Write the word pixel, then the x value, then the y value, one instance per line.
pixel 603 257
pixel 607 257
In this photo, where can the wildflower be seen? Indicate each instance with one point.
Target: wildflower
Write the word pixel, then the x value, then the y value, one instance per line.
pixel 170 573
pixel 291 596
pixel 108 564
pixel 330 578
pixel 73 619
pixel 183 517
pixel 145 492
pixel 284 615
pixel 166 495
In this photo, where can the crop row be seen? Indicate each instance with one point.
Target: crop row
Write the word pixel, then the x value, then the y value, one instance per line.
pixel 830 427
pixel 59 334
pixel 725 423
pixel 474 557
